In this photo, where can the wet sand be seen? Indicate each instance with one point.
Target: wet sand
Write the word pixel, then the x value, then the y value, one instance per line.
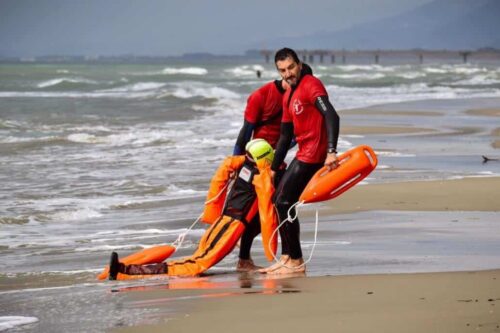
pixel 374 130
pixel 437 302
pixel 484 112
pixel 489 113
pixel 376 112
pixel 496 142
pixel 470 194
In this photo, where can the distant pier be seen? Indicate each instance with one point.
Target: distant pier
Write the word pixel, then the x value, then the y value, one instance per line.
pixel 419 55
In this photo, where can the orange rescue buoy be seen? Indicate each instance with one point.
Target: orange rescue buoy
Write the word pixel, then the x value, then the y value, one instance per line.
pixel 354 165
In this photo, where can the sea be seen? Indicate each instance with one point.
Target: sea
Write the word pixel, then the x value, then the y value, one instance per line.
pixel 96 158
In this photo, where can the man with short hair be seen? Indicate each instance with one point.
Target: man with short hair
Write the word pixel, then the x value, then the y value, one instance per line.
pixel 309 115
pixel 262 119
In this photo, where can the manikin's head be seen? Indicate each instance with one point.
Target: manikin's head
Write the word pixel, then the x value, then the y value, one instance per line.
pixel 259 151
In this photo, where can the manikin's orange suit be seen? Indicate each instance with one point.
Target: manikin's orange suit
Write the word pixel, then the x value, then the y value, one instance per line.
pixel 228 213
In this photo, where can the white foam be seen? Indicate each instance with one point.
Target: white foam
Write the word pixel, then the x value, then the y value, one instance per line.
pixel 136 87
pixel 481 80
pixel 359 76
pixel 355 97
pixel 172 188
pixel 75 94
pixel 208 91
pixel 351 68
pixel 11 139
pixel 435 70
pixel 111 248
pixel 464 70
pixel 8 322
pixel 152 231
pixel 83 138
pixel 134 136
pixel 411 75
pixel 54 82
pixel 76 215
pixel 393 154
pixel 185 70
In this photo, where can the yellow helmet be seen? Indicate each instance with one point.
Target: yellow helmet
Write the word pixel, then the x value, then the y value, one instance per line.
pixel 259 150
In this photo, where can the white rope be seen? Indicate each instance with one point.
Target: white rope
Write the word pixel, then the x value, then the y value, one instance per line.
pixel 291 219
pixel 178 242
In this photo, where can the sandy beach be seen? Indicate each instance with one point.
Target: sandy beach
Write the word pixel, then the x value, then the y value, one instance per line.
pixel 438 302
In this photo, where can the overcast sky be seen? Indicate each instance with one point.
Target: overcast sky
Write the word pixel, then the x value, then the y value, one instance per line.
pixel 173 27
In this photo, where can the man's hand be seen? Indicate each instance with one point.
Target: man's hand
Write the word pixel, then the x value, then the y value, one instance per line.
pixel 331 161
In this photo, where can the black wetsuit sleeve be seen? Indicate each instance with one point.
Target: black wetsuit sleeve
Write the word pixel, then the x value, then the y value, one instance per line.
pixel 286 136
pixel 332 120
pixel 243 138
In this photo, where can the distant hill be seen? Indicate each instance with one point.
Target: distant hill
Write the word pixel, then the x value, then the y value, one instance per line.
pixel 440 24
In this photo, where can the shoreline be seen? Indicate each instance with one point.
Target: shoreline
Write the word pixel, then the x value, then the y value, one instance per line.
pixel 420 302
pixel 466 194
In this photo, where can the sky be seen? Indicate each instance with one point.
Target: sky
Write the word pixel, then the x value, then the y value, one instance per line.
pixel 173 27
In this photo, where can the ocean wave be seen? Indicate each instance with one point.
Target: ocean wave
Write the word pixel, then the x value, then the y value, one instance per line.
pixel 478 80
pixel 75 94
pixel 140 90
pixel 14 220
pixel 30 142
pixel 461 69
pixel 186 91
pixel 355 97
pixel 152 231
pixel 185 70
pixel 62 80
pixel 411 75
pixel 140 86
pixel 454 69
pixel 134 137
pixel 84 138
pixel 76 215
pixel 370 68
pixel 359 76
pixel 9 124
pixel 108 248
pixel 245 70
pixel 9 322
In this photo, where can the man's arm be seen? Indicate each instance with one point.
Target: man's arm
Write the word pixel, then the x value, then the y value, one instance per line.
pixel 286 136
pixel 243 138
pixel 332 121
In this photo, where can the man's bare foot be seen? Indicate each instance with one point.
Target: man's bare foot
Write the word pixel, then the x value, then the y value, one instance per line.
pixel 292 266
pixel 283 260
pixel 246 265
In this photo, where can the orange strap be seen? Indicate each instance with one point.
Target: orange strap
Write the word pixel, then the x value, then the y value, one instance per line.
pixel 215 199
pixel 263 184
